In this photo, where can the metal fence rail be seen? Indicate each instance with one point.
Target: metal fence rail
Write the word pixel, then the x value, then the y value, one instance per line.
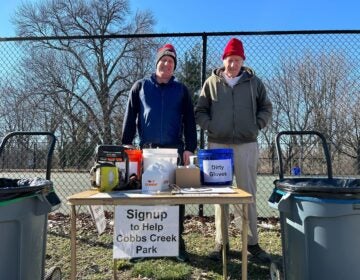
pixel 76 87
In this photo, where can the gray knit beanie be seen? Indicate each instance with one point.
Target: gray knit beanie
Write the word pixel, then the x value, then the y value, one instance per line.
pixel 168 50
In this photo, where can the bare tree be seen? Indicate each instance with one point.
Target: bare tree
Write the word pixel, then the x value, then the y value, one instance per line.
pixel 311 93
pixel 14 110
pixel 85 78
pixel 347 125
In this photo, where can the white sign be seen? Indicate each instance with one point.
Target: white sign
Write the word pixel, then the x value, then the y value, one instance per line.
pixel 98 215
pixel 217 171
pixel 146 231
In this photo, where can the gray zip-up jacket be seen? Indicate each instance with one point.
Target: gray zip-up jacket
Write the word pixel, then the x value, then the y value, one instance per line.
pixel 233 115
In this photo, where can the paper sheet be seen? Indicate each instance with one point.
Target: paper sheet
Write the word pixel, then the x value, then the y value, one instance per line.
pixel 207 190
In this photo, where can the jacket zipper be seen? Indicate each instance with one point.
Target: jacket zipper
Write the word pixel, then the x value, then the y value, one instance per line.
pixel 233 110
pixel 162 116
pixel 253 102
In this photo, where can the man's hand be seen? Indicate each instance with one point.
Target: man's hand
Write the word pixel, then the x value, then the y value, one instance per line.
pixel 186 157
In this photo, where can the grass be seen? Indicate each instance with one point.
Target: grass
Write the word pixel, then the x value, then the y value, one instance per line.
pixel 94 254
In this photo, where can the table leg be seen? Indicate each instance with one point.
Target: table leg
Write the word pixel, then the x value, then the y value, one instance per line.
pixel 73 242
pixel 115 270
pixel 224 233
pixel 244 237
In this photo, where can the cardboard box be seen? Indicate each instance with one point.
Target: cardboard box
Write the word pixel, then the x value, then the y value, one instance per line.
pixel 187 177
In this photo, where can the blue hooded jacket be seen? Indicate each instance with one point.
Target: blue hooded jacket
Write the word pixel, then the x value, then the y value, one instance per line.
pixel 163 114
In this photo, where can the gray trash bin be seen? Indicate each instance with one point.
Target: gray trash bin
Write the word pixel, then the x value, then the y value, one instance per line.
pixel 24 208
pixel 320 224
pixel 320 227
pixel 23 228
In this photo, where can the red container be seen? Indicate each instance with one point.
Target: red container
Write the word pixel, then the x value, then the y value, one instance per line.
pixel 135 162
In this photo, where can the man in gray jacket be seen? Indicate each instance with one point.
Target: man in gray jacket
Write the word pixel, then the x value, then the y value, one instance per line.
pixel 233 106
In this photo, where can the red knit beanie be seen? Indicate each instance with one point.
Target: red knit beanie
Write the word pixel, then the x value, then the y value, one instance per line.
pixel 234 47
pixel 168 50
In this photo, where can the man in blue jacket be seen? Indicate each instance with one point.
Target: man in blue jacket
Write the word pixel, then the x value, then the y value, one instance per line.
pixel 161 111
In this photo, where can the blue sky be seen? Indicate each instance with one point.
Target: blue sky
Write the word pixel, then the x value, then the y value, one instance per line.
pixel 236 15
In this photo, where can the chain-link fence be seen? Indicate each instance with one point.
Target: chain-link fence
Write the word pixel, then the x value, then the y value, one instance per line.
pixel 77 88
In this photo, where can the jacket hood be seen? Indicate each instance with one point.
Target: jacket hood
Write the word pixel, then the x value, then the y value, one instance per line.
pixel 248 72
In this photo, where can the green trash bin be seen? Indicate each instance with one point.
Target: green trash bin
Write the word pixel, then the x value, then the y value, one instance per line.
pixel 23 228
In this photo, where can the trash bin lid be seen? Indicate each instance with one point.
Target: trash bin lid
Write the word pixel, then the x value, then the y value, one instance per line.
pixel 14 188
pixel 319 185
